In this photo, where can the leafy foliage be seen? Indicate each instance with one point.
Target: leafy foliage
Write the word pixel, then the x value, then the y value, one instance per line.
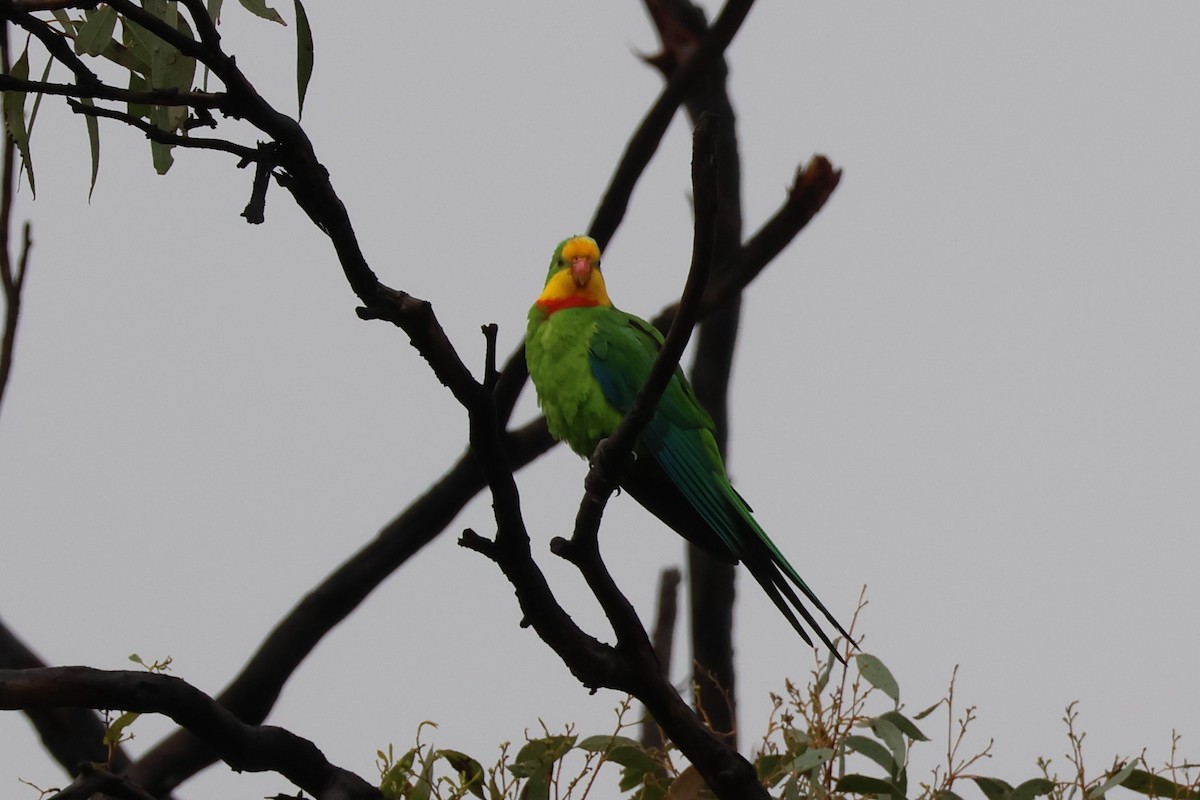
pixel 828 740
pixel 150 64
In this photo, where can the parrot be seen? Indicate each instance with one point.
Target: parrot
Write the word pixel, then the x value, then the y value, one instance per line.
pixel 587 361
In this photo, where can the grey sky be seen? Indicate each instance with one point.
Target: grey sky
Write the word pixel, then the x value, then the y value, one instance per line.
pixel 970 385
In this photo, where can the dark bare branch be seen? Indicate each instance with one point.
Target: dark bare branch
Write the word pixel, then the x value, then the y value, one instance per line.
pixel 662 637
pixel 157 134
pixel 814 184
pixel 92 780
pixel 70 735
pixel 248 748
pixel 102 91
pixel 644 143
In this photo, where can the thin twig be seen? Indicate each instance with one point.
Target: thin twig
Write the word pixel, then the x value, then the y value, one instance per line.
pixel 157 134
pixel 102 91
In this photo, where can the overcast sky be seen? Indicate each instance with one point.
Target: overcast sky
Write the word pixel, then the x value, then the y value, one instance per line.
pixel 970 385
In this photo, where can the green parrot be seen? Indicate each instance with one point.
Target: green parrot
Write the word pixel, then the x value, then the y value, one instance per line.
pixel 587 361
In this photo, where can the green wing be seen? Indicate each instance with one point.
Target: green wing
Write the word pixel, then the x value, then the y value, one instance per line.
pixel 680 440
pixel 680 435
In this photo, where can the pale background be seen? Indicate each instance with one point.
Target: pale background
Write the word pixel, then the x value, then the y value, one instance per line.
pixel 971 384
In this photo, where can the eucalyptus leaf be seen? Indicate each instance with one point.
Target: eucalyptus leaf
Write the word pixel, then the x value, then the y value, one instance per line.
pixel 14 116
pixel 890 735
pixel 769 767
pixel 1031 789
pixel 304 55
pixel 993 788
pixel 878 675
pixel 259 8
pixel 906 725
pixel 93 132
pixel 1148 783
pixel 69 26
pixel 160 152
pixel 865 784
pixel 811 759
pixel 112 736
pixel 603 742
pixel 1114 780
pixel 823 679
pixel 470 771
pixel 923 714
pixel 37 98
pixel 946 794
pixel 96 31
pixel 873 750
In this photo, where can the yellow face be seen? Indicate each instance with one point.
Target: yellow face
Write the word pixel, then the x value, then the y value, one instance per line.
pixel 575 277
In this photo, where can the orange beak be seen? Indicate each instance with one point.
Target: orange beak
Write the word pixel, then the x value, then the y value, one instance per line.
pixel 581 270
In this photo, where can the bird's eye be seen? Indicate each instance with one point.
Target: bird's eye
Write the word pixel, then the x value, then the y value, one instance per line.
pixel 562 262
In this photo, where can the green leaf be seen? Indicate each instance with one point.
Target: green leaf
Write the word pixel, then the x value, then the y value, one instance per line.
pixel 874 751
pixel 929 710
pixel 179 71
pixel 769 768
pixel 260 9
pixel 796 740
pixel 470 772
pixel 1113 780
pixel 811 759
pixel 394 782
pixel 96 32
pixel 37 98
pixel 993 788
pixel 890 735
pixel 169 68
pixel 214 9
pixel 138 84
pixel 906 725
pixel 864 784
pixel 68 25
pixel 160 152
pixel 539 755
pixel 93 131
pixel 304 55
pixel 1031 789
pixel 603 742
pixel 879 676
pixel 634 757
pixel 536 788
pixel 14 116
pixel 112 736
pixel 946 794
pixel 1148 783
pixel 823 679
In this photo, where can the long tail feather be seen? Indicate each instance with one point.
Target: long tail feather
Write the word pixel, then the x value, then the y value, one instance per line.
pixel 769 577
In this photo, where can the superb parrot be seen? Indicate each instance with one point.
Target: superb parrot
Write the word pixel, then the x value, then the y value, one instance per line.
pixel 587 361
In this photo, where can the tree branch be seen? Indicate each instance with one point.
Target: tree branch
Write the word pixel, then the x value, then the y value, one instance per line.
pixel 247 748
pixel 157 134
pixel 102 91
pixel 70 735
pixel 645 140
